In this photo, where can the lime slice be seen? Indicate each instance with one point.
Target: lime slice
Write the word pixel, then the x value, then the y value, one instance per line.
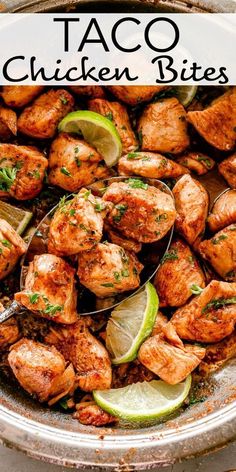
pixel 16 217
pixel 143 403
pixel 186 94
pixel 97 130
pixel 130 324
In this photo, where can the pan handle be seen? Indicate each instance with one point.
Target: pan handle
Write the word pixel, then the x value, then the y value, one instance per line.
pixel 13 309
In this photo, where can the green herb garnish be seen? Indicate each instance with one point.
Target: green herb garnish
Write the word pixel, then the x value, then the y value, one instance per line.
pixel 195 289
pixel 7 177
pixel 121 209
pixel 216 303
pixel 171 255
pixel 220 238
pixel 65 171
pixel 137 183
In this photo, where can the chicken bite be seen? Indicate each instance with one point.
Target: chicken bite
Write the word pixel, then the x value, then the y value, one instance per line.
pixel 216 124
pixel 9 331
pixel 227 168
pixel 192 201
pixel 108 269
pixel 141 211
pixel 22 170
pixel 89 413
pixel 198 163
pixel 12 247
pixel 50 289
pixel 88 355
pixel 178 274
pixel 171 363
pixel 135 94
pixel 118 115
pixel 223 212
pixel 72 163
pixel 17 96
pixel 150 165
pixel 209 317
pixel 90 91
pixel 163 127
pixel 40 120
pixel 41 370
pixel 220 251
pixel 77 224
pixel 8 123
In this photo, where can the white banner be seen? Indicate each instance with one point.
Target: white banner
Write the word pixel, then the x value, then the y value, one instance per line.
pixel 109 49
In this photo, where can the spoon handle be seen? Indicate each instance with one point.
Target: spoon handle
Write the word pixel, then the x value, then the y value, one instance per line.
pixel 12 310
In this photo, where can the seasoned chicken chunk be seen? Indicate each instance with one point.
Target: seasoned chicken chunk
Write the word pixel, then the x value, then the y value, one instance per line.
pixel 50 289
pixel 141 212
pixel 192 201
pixel 218 354
pixel 178 273
pixel 17 96
pixel 172 364
pixel 77 225
pixel 9 331
pixel 8 123
pixel 12 247
pixel 41 370
pixel 108 269
pixel 40 120
pixel 209 317
pixel 220 251
pixel 197 162
pixel 216 124
pixel 91 414
pixel 151 165
pixel 90 91
pixel 223 212
pixel 160 322
pixel 118 115
pixel 117 238
pixel 163 127
pixel 88 355
pixel 227 168
pixel 135 94
pixel 72 163
pixel 22 170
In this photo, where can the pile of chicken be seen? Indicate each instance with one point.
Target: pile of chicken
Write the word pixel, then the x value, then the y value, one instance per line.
pixel 200 304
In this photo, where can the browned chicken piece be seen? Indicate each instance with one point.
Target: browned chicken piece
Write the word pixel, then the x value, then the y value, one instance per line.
pixel 17 96
pixel 117 238
pixel 22 170
pixel 40 120
pixel 9 331
pixel 89 413
pixel 177 275
pixel 88 355
pixel 8 123
pixel 90 91
pixel 50 289
pixel 150 165
pixel 118 115
pixel 141 211
pixel 163 127
pixel 209 317
pixel 218 354
pixel 12 247
pixel 220 251
pixel 73 163
pixel 135 94
pixel 216 124
pixel 41 370
pixel 160 322
pixel 172 364
pixel 192 201
pixel 77 225
pixel 198 163
pixel 108 269
pixel 227 168
pixel 223 212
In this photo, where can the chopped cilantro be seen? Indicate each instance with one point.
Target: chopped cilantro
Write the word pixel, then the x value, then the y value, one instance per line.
pixel 170 256
pixel 108 284
pixel 220 238
pixel 109 116
pixel 137 183
pixel 195 289
pixel 121 209
pixel 6 243
pixel 65 171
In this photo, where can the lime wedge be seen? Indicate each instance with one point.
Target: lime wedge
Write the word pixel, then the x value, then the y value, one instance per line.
pixel 16 217
pixel 186 94
pixel 97 130
pixel 130 324
pixel 143 403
